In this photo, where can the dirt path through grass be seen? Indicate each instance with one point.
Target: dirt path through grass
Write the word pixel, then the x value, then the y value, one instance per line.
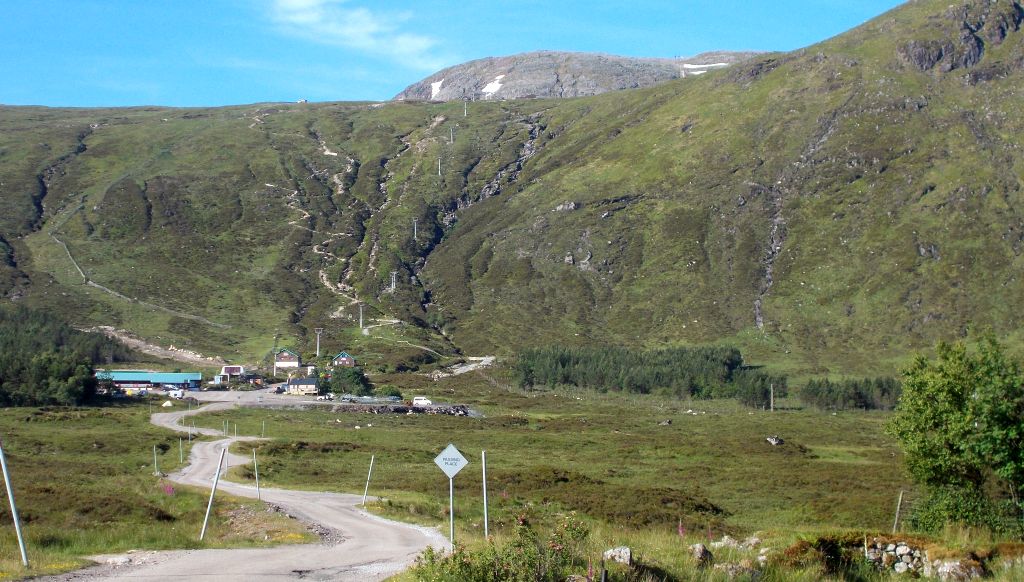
pixel 372 548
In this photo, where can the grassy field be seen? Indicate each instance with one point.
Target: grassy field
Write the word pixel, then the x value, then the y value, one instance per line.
pixel 614 462
pixel 608 457
pixel 83 479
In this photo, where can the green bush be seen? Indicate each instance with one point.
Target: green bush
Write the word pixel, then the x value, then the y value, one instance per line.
pixel 388 390
pixel 525 557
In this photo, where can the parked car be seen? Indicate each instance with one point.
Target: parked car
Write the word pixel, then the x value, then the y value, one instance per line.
pixel 176 394
pixel 279 390
pixel 325 397
pixel 421 401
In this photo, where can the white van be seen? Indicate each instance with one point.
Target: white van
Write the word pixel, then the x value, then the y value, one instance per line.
pixel 421 401
pixel 177 394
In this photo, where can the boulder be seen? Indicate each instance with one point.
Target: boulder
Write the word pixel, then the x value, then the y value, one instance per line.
pixel 742 569
pixel 621 554
pixel 953 570
pixel 702 555
pixel 726 542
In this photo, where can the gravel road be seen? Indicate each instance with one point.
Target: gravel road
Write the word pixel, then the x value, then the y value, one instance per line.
pixel 371 548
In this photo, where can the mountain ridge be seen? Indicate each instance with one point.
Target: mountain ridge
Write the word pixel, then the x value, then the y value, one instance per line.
pixel 545 74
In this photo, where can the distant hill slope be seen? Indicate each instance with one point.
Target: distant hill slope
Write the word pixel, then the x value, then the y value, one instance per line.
pixel 828 210
pixel 558 74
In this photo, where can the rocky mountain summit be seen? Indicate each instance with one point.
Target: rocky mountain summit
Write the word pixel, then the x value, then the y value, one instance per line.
pixel 559 74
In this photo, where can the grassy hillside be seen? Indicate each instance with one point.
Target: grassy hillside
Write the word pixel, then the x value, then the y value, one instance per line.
pixel 828 210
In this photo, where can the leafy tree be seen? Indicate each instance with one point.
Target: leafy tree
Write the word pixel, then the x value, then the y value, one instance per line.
pixel 350 381
pixel 960 416
pixel 998 414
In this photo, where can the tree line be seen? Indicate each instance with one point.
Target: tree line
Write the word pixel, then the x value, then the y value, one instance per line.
pixel 852 394
pixel 45 361
pixel 697 372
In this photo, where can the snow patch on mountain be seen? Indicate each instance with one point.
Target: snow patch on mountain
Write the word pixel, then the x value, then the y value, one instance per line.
pixel 493 87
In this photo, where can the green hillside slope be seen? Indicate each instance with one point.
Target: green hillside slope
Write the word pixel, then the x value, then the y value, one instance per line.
pixel 828 210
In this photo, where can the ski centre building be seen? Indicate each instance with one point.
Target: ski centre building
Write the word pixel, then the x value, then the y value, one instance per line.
pixel 132 380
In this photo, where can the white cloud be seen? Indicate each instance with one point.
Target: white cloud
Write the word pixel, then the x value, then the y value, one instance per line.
pixel 338 23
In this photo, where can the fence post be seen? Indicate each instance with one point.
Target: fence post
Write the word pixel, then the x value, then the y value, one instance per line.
pixel 14 508
pixel 899 505
pixel 209 506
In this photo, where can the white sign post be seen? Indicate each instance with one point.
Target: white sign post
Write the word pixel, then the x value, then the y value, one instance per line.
pixel 367 490
pixel 451 462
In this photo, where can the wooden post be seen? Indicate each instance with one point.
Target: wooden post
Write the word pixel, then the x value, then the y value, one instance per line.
pixel 209 506
pixel 483 464
pixel 256 470
pixel 899 505
pixel 370 472
pixel 14 508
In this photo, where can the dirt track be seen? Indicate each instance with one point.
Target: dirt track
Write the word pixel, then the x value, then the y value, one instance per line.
pixel 372 548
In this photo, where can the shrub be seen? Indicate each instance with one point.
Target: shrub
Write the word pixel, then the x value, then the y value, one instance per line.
pixel 524 557
pixel 388 390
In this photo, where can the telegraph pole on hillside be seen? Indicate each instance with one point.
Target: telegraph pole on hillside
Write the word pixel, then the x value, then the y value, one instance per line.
pixel 318 331
pixel 360 318
pixel 414 231
pixel 394 280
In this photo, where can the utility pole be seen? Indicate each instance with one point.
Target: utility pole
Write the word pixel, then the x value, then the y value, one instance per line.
pixel 318 331
pixel 415 232
pixel 394 280
pixel 360 317
pixel 772 396
pixel 438 166
pixel 465 107
pixel 451 133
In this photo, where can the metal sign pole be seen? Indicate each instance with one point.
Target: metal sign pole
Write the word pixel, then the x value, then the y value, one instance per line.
pixel 451 510
pixel 451 461
pixel 156 467
pixel 368 480
pixel 483 461
pixel 263 431
pixel 209 506
pixel 14 508
pixel 181 452
pixel 256 470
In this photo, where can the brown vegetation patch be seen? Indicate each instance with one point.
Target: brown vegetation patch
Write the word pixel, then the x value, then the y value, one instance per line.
pixel 631 506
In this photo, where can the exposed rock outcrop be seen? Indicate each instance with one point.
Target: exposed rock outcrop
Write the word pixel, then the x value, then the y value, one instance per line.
pixel 558 74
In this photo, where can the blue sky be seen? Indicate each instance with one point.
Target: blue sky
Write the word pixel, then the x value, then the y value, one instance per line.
pixel 221 52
